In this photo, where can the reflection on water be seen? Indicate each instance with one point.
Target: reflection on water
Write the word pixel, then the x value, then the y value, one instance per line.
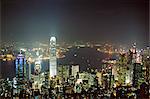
pixel 7 69
pixel 85 57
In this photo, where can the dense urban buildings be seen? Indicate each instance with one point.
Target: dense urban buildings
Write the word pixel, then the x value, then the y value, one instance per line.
pixel 74 49
pixel 40 70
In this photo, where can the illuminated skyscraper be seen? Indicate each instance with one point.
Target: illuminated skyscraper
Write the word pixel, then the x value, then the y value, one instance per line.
pixel 29 67
pixel 0 72
pixel 37 68
pixel 21 68
pixel 134 51
pixel 137 74
pixel 53 59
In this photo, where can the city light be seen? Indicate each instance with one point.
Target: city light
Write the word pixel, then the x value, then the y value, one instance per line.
pixel 74 49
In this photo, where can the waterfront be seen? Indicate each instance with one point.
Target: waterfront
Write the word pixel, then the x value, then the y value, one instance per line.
pixel 84 57
pixel 74 49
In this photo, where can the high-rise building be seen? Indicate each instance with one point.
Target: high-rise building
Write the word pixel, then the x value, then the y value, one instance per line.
pixel 137 74
pixel 29 68
pixel 21 71
pixel 134 53
pixel 37 67
pixel 0 72
pixel 53 59
pixel 21 68
pixel 75 70
pixel 63 71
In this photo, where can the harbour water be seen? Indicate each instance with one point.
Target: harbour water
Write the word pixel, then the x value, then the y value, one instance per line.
pixel 84 57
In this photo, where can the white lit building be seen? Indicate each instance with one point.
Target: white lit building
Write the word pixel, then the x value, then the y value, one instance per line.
pixel 74 69
pixel 53 59
pixel 37 68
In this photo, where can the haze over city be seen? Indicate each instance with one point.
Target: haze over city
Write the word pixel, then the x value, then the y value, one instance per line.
pixel 118 21
pixel 74 49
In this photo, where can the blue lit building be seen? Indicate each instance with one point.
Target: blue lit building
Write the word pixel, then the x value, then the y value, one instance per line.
pixel 21 67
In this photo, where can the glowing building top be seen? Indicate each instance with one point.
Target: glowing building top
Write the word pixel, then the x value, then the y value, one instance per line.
pixel 53 39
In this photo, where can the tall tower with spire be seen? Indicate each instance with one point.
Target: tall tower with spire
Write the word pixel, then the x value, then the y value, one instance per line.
pixel 53 59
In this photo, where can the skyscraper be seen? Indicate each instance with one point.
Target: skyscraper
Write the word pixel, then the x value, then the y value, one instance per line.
pixel 21 71
pixel 137 74
pixel 0 72
pixel 29 68
pixel 21 66
pixel 37 68
pixel 53 59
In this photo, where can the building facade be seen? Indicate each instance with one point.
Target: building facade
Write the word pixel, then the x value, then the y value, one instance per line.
pixel 53 59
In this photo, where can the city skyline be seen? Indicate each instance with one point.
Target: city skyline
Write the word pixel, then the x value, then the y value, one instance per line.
pixel 116 21
pixel 74 49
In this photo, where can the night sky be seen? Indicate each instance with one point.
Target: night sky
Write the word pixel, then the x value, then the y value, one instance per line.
pixel 116 21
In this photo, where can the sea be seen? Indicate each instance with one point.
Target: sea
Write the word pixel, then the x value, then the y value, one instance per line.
pixel 84 57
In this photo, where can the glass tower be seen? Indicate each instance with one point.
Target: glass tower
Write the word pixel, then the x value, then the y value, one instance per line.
pixel 53 59
pixel 20 66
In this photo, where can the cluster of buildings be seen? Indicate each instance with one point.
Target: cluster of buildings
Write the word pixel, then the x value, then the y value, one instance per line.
pixel 24 76
pixel 23 67
pixel 130 69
